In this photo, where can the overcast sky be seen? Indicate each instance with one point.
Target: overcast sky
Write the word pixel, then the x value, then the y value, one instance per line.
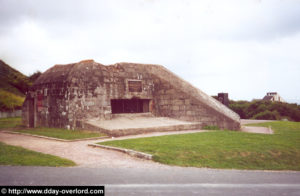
pixel 245 48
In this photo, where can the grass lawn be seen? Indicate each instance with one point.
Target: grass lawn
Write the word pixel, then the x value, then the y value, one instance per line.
pixel 10 122
pixel 225 149
pixel 49 132
pixel 13 155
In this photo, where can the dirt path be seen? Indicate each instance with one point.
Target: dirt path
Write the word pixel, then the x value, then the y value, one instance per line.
pixel 79 152
pixel 85 156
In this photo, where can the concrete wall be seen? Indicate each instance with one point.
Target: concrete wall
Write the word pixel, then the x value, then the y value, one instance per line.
pixel 85 93
pixel 16 113
pixel 173 101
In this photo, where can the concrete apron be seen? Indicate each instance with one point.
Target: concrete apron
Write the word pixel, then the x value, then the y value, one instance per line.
pixel 263 130
pixel 133 124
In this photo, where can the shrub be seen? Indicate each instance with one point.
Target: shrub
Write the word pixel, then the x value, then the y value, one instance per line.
pixel 267 110
pixel 267 115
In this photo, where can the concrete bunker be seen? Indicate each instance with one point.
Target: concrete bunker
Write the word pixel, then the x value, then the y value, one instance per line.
pixel 67 96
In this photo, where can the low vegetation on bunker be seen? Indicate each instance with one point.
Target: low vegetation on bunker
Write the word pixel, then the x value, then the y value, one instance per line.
pixel 13 155
pixel 225 149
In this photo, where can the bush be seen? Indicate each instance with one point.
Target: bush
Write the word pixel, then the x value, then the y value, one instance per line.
pixel 267 115
pixel 267 110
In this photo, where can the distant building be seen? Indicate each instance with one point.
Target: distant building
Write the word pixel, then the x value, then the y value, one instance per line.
pixel 223 98
pixel 273 96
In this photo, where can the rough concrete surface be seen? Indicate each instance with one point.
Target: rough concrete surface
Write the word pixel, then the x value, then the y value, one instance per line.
pixel 134 153
pixel 263 130
pixel 67 95
pixel 250 121
pixel 135 124
pixel 128 122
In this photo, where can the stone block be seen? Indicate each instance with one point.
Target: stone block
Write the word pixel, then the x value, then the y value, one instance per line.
pixel 175 107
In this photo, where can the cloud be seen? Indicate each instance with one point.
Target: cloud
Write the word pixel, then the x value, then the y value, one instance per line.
pixel 233 46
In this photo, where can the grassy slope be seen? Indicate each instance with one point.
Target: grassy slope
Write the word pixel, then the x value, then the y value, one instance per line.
pixel 13 85
pixel 13 155
pixel 225 149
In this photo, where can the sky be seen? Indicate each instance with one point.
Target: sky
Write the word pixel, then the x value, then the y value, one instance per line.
pixel 245 48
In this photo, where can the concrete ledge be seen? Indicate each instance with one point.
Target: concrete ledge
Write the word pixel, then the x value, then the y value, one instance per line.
pixel 53 138
pixel 124 150
pixel 141 130
pixel 262 130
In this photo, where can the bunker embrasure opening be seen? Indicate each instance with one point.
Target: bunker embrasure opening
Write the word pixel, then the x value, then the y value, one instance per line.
pixel 119 106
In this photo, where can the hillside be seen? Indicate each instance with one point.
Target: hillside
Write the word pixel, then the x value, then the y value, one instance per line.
pixel 13 86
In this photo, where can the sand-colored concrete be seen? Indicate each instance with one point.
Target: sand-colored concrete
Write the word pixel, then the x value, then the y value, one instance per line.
pixel 135 124
pixel 250 129
pixel 250 121
pixel 263 130
pixel 133 121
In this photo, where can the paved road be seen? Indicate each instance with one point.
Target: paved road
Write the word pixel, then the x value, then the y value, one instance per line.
pixel 167 181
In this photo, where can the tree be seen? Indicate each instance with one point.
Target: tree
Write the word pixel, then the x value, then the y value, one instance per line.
pixel 34 76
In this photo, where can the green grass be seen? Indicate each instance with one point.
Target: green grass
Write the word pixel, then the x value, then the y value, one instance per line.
pixel 16 123
pixel 61 133
pixel 10 122
pixel 13 155
pixel 225 149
